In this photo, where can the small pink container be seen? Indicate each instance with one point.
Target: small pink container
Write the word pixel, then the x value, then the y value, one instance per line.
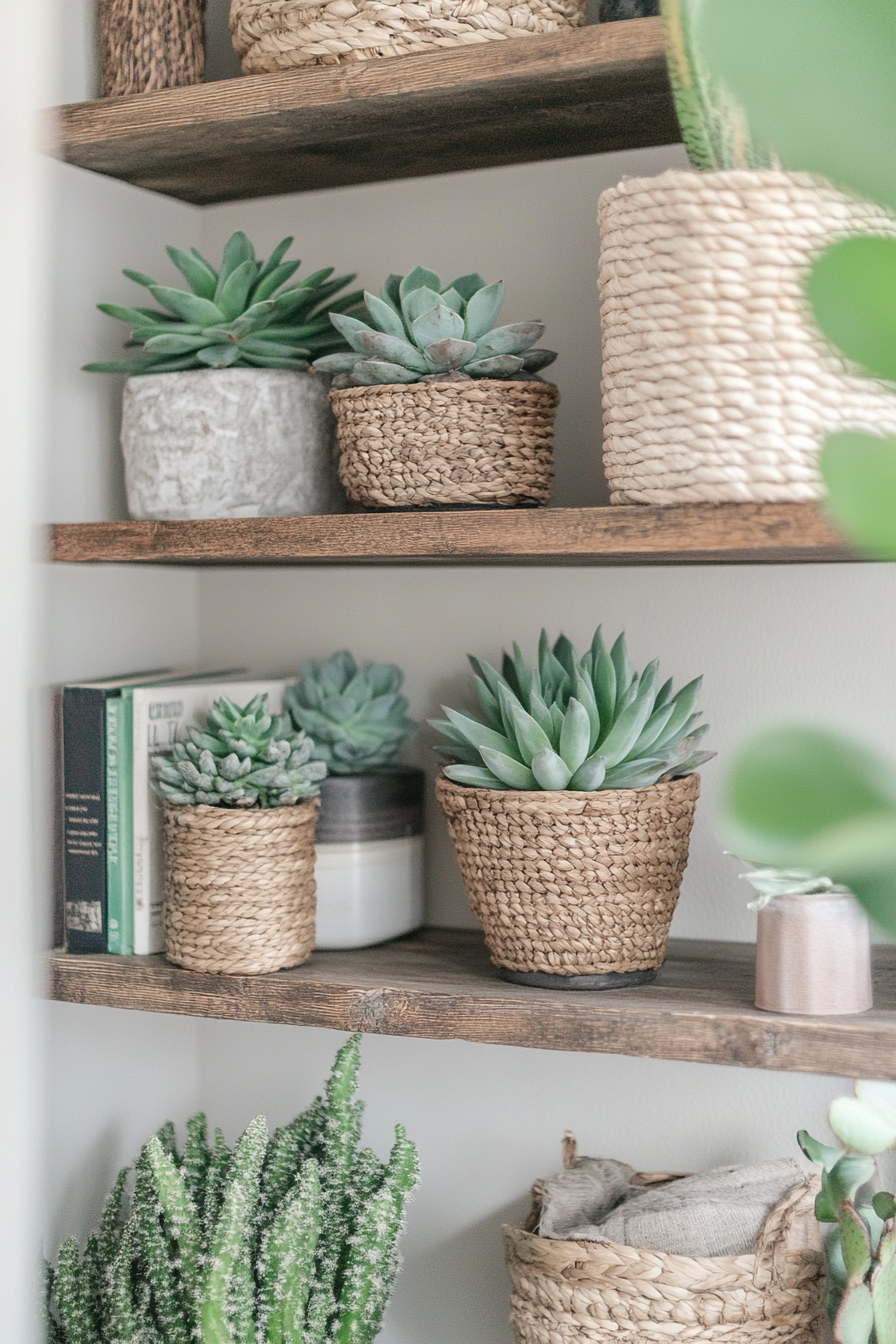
pixel 813 955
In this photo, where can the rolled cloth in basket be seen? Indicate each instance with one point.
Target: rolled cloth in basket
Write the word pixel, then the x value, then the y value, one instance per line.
pixel 718 1212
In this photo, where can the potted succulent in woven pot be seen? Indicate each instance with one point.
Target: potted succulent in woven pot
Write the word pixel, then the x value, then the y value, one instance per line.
pixel 220 1245
pixel 221 416
pixel 570 802
pixel 435 406
pixel 717 384
pixel 369 868
pixel 241 802
pixel 813 944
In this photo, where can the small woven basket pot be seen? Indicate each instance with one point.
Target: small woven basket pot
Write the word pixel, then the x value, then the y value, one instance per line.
pixel 574 890
pixel 482 442
pixel 281 34
pixel 594 1292
pixel 239 887
pixel 716 384
pixel 153 44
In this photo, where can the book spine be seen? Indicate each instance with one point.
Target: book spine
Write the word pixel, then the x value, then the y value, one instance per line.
pixel 58 929
pixel 126 823
pixel 84 780
pixel 114 916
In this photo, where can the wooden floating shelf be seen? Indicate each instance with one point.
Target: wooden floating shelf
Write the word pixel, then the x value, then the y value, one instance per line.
pixel 440 985
pixel 690 534
pixel 599 88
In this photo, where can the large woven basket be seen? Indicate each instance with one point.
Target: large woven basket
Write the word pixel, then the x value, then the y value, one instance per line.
pixel 153 44
pixel 574 890
pixel 480 442
pixel 716 385
pixel 239 887
pixel 280 34
pixel 593 1292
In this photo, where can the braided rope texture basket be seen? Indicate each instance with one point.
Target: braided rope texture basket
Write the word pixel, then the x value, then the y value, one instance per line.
pixel 573 883
pixel 239 887
pixel 592 1292
pixel 156 44
pixel 274 35
pixel 484 441
pixel 716 385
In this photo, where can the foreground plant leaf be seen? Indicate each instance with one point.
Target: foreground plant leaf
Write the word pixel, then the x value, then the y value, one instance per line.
pixel 860 473
pixel 852 288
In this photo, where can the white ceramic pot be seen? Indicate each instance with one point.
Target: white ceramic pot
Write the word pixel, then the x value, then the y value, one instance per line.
pixel 813 955
pixel 229 443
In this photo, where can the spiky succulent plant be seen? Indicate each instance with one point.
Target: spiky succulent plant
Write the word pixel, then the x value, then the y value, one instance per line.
pixel 235 318
pixel 421 331
pixel 573 723
pixel 245 758
pixel 355 714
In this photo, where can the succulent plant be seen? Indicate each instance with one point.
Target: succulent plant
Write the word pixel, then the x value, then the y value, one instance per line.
pixel 860 1247
pixel 289 1239
pixel 573 723
pixel 771 882
pixel 245 758
pixel 713 124
pixel 236 318
pixel 356 715
pixel 421 331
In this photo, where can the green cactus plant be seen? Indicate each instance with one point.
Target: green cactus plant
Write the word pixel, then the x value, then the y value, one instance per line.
pixel 422 331
pixel 573 723
pixel 355 714
pixel 860 1246
pixel 289 1239
pixel 232 318
pixel 246 757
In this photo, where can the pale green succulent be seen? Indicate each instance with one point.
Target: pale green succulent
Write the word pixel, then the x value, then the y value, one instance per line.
pixel 245 758
pixel 573 723
pixel 421 331
pixel 771 882
pixel 356 715
pixel 233 318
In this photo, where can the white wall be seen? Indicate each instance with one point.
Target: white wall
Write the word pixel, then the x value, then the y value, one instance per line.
pixel 772 643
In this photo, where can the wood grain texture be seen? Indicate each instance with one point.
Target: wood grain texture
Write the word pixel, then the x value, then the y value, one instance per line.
pixel 439 984
pixel 599 88
pixel 685 534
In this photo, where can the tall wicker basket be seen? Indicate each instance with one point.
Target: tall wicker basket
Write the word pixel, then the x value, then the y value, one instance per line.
pixel 156 44
pixel 239 887
pixel 593 1292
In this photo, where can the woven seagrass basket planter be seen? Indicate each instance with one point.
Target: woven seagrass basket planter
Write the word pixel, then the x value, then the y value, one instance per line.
pixel 592 1292
pixel 716 385
pixel 156 44
pixel 239 887
pixel 274 35
pixel 484 442
pixel 574 890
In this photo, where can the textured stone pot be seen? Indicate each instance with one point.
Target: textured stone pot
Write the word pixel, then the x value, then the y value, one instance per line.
pixel 229 443
pixel 813 955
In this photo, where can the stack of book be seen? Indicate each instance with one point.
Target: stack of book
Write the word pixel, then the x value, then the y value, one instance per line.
pixel 111 820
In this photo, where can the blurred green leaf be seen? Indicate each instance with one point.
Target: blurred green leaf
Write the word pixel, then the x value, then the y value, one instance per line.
pixel 852 287
pixel 860 473
pixel 816 79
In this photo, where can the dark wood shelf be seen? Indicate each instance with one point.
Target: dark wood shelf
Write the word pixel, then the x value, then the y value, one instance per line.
pixel 439 984
pixel 582 92
pixel 691 534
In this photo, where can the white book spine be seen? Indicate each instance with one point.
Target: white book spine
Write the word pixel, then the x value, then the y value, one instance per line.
pixel 161 714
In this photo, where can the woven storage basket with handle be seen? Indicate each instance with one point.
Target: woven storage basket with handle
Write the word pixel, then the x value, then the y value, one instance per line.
pixel 594 1292
pixel 573 883
pixel 482 442
pixel 153 44
pixel 239 887
pixel 280 34
pixel 716 385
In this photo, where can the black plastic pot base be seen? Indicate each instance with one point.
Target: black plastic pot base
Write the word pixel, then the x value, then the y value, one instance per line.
pixel 608 980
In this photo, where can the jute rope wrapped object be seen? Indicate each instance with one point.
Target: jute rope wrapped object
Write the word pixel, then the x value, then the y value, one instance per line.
pixel 280 34
pixel 239 887
pixel 573 883
pixel 716 385
pixel 153 44
pixel 481 441
pixel 592 1292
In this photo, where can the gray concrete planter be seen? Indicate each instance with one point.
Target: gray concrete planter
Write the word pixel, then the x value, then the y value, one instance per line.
pixel 229 443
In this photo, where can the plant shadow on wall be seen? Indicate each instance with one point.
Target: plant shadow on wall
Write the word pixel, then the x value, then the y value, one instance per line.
pixel 816 80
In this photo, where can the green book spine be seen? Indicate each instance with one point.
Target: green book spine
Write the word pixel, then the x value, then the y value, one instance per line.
pixel 126 820
pixel 114 940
